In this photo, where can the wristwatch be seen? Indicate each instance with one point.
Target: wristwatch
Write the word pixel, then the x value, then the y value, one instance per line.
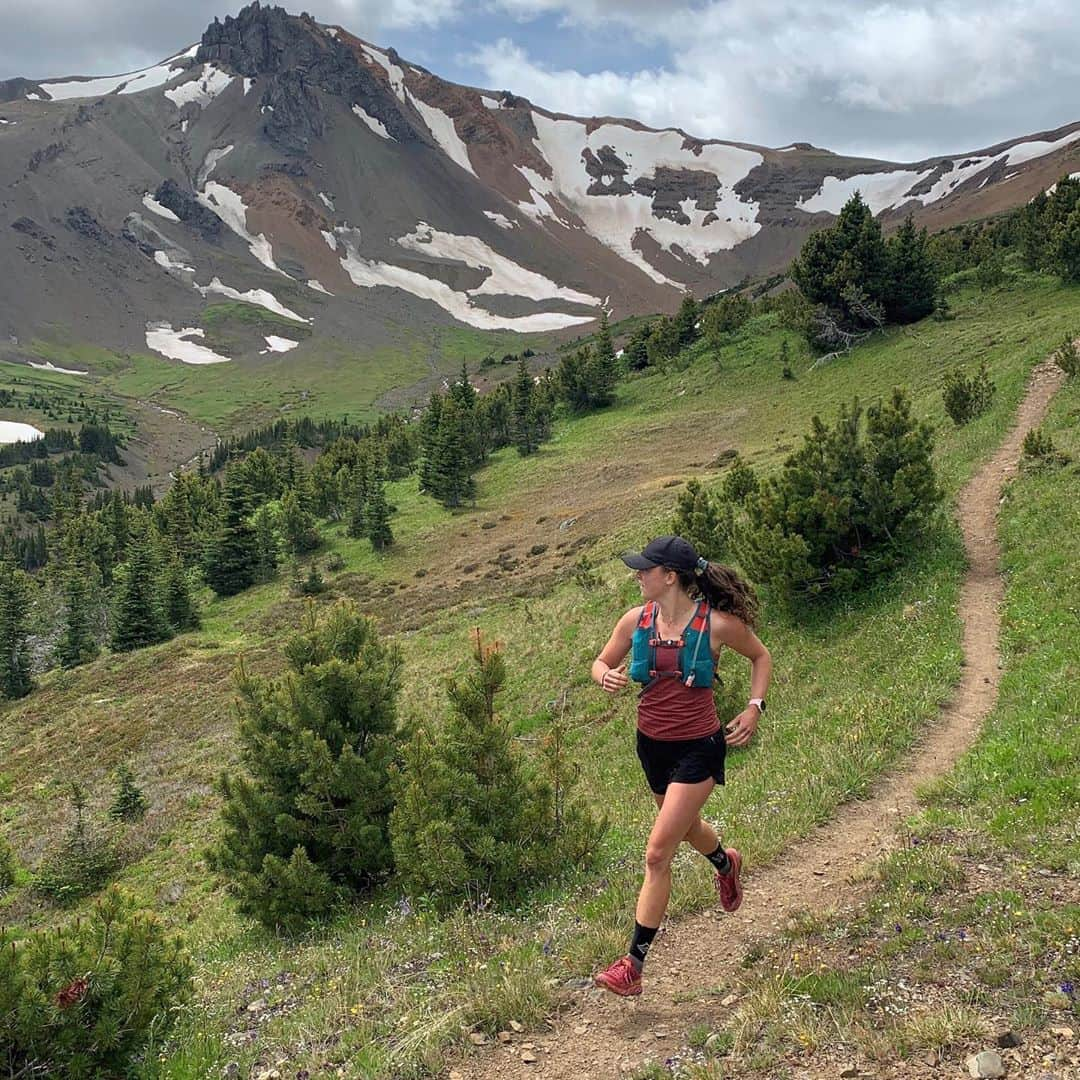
pixel 759 702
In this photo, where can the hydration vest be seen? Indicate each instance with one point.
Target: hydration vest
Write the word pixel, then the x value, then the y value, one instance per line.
pixel 696 667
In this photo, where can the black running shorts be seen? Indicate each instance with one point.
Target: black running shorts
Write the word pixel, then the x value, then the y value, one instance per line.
pixel 681 761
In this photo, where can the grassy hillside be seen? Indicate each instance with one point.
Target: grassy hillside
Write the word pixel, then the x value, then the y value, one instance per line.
pixel 971 930
pixel 381 992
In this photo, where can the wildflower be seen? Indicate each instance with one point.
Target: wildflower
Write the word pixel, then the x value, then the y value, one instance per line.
pixel 1068 988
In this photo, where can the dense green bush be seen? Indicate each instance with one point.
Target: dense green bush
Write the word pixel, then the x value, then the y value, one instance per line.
pixel 474 820
pixel 308 819
pixel 966 397
pixel 845 507
pixel 82 1001
pixel 85 860
pixel 1067 357
pixel 129 802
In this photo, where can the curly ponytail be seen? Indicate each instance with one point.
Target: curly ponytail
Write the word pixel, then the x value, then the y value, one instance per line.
pixel 724 589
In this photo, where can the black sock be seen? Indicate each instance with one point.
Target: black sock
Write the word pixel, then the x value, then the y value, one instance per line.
pixel 720 860
pixel 639 946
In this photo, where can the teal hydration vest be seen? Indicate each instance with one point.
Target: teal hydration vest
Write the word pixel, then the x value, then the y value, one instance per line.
pixel 696 666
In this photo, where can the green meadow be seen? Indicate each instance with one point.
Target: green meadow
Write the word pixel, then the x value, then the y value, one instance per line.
pixel 388 988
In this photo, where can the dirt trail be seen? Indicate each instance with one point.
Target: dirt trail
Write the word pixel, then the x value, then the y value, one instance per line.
pixel 598 1036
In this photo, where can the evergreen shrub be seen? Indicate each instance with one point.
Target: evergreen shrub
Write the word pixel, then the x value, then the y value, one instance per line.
pixel 1067 357
pixel 85 859
pixel 966 397
pixel 307 821
pixel 82 1001
pixel 474 820
pixel 846 506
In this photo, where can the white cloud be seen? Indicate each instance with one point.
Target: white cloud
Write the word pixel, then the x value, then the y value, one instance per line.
pixel 769 71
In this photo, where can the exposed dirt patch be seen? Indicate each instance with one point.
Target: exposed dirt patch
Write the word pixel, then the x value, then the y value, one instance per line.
pixel 594 1035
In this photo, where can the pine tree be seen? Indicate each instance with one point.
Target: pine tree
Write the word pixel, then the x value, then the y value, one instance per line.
pixel 377 517
pixel 233 555
pixel 603 346
pixel 181 611
pixel 914 277
pixel 602 372
pixel 451 479
pixel 1066 247
pixel 472 821
pixel 686 320
pixel 138 608
pixel 308 818
pixel 429 441
pixel 636 354
pixel 298 525
pixel 523 411
pixel 15 594
pixel 267 552
pixel 78 641
pixel 362 475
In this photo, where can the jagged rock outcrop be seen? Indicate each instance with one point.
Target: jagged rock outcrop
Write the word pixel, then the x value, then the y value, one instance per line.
pixel 188 209
pixel 669 188
pixel 18 88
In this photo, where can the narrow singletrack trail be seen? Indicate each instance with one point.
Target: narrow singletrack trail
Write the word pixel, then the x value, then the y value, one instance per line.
pixel 597 1036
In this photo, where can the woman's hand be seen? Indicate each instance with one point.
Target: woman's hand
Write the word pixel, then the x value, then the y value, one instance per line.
pixel 615 679
pixel 741 730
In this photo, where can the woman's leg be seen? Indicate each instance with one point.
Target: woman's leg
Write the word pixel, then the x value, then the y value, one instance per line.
pixel 701 835
pixel 680 813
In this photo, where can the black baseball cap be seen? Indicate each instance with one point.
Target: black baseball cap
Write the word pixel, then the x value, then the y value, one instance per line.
pixel 671 551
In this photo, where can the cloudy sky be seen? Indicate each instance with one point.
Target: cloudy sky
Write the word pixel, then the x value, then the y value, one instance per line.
pixel 901 80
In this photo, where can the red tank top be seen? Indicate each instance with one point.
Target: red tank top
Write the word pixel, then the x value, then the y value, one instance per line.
pixel 669 709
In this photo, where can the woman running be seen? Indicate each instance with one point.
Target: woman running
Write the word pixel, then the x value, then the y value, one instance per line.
pixel 691 608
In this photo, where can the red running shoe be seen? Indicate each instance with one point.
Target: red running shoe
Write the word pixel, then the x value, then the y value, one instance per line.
pixel 728 886
pixel 621 978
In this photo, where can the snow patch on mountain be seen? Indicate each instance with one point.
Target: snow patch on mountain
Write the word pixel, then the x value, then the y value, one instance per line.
pixel 162 211
pixel 203 89
pixel 162 338
pixel 506 277
pixel 889 190
pixel 372 122
pixel 130 83
pixel 443 132
pixel 210 162
pixel 326 200
pixel 616 219
pixel 278 344
pixel 500 219
pixel 248 84
pixel 368 274
pixel 393 72
pixel 49 366
pixel 228 206
pixel 258 297
pixel 318 286
pixel 163 260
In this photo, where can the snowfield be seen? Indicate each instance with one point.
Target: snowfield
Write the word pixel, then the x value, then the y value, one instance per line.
pixel 318 286
pixel 49 366
pixel 376 125
pixel 203 89
pixel 278 344
pixel 500 219
pixel 154 206
pixel 163 260
pixel 506 277
pixel 369 274
pixel 210 162
pixel 162 338
pixel 889 190
pixel 443 132
pixel 258 297
pixel 228 206
pixel 12 431
pixel 615 220
pixel 130 83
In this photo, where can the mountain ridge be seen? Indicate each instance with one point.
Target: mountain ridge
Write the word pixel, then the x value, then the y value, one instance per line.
pixel 368 198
